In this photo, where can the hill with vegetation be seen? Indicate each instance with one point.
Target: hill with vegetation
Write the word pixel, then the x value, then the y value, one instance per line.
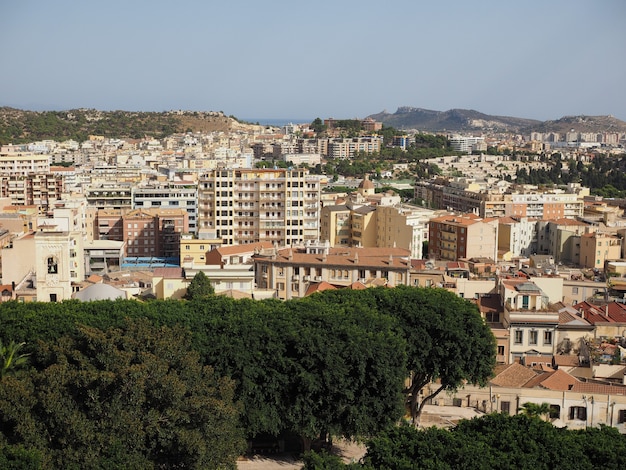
pixel 19 126
pixel 467 120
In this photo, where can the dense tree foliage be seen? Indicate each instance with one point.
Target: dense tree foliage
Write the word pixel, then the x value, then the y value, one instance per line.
pixel 130 397
pixel 332 364
pixel 447 340
pixel 62 125
pixel 199 287
pixel 496 441
pixel 605 174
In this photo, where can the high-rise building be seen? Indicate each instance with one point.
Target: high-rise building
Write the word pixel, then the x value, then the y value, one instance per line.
pixel 256 205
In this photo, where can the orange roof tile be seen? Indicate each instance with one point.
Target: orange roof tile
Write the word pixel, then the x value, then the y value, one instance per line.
pixel 515 375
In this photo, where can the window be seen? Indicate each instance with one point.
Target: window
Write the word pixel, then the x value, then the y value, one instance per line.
pixel 505 407
pixel 555 411
pixel 547 337
pixel 621 416
pixel 500 350
pixel 578 412
pixel 533 337
pixel 519 336
pixel 574 290
pixel 492 317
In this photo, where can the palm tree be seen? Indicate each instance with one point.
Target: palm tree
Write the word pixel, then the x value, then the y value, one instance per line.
pixel 535 410
pixel 10 359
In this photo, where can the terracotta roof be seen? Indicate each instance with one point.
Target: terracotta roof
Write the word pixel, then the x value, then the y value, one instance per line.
pixel 566 360
pixel 540 360
pixel 515 375
pixel 169 273
pixel 246 248
pixel 94 278
pixel 358 286
pixel 387 258
pixel 319 287
pixel 566 221
pixel 587 387
pixel 558 380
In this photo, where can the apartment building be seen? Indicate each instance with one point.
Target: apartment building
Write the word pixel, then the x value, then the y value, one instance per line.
pixel 242 206
pixel 346 148
pixel 517 236
pixel 14 163
pixel 561 239
pixel 168 196
pixel 597 247
pixel 403 226
pixel 530 321
pixel 40 189
pixel 110 195
pixel 487 200
pixel 452 237
pixel 146 232
pixel 292 272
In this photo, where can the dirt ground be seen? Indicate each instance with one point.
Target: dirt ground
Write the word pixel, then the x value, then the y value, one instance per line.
pixel 348 451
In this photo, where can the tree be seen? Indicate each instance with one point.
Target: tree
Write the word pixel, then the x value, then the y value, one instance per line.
pixel 496 441
pixel 448 343
pixel 200 287
pixel 541 411
pixel 130 397
pixel 10 358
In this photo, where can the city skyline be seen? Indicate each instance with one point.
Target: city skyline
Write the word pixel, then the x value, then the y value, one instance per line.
pixel 286 60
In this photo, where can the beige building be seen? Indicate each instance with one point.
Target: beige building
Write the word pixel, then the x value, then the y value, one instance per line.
pixel 452 237
pixel 58 263
pixel 255 205
pixel 23 163
pixel 597 247
pixel 291 272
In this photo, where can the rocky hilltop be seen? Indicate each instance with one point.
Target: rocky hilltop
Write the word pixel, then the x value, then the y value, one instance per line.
pixel 467 120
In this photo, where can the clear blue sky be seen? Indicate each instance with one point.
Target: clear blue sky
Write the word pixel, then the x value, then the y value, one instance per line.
pixel 326 58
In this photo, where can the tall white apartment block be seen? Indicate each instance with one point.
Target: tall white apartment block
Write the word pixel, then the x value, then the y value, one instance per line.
pixel 242 206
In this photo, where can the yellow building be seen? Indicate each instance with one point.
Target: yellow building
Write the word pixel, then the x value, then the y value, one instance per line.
pixel 597 247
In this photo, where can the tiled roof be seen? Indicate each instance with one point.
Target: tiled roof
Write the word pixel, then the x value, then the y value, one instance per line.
pixel 515 375
pixel 246 248
pixel 566 360
pixel 558 380
pixel 319 287
pixel 588 387
pixel 169 273
pixel 387 258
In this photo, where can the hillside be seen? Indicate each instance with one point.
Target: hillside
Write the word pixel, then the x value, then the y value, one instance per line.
pixel 18 126
pixel 464 120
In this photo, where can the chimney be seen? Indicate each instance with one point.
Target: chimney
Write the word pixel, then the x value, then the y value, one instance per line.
pixel 356 257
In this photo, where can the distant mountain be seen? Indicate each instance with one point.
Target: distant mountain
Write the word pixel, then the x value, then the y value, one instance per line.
pixel 467 120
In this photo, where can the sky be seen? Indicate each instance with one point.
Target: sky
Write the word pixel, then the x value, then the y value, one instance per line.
pixel 344 59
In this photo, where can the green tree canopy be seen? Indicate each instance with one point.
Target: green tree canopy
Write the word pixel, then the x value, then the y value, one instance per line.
pixel 447 340
pixel 200 287
pixel 131 397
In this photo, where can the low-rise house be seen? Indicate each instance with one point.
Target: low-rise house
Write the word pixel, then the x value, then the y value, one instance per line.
pixel 290 271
